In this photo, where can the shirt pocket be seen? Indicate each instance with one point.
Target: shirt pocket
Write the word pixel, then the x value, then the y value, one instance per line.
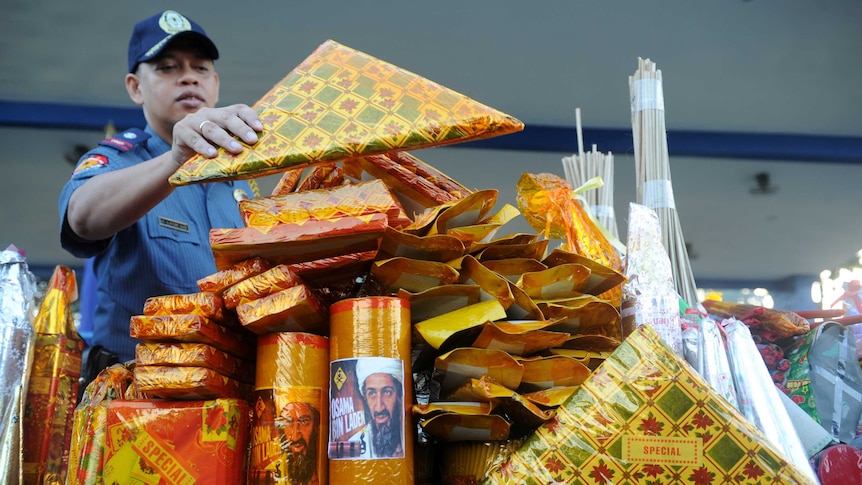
pixel 176 252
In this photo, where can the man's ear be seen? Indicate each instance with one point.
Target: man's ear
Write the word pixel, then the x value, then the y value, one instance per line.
pixel 133 87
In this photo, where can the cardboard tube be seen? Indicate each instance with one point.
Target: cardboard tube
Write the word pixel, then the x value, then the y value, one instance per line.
pixel 290 417
pixel 371 430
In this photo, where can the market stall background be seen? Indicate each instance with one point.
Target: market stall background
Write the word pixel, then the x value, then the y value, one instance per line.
pixel 751 87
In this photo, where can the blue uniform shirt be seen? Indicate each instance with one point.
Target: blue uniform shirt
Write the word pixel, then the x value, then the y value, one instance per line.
pixel 163 253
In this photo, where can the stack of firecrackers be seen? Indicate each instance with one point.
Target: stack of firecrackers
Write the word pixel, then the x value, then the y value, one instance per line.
pixel 509 333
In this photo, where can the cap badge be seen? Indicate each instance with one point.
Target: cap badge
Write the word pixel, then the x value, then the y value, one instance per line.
pixel 173 22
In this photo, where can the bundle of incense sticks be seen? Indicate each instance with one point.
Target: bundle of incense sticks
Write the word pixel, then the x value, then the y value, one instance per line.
pixel 581 167
pixel 652 170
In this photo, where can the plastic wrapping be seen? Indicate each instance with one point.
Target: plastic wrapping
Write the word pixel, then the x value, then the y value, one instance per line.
pixel 52 391
pixel 549 205
pixel 825 379
pixel 768 323
pixel 290 419
pixel 90 425
pixel 371 437
pixel 646 416
pixel 17 310
pixel 649 295
pixel 712 361
pixel 176 442
pixel 758 397
pixel 340 103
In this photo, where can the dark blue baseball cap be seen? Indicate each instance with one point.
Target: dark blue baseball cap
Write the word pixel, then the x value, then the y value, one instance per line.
pixel 152 35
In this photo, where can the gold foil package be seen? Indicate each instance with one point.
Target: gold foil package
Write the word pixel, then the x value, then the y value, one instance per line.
pixel 647 415
pixel 53 382
pixel 359 123
pixel 354 200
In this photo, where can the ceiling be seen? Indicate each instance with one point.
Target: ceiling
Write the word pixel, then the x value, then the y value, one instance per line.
pixel 749 86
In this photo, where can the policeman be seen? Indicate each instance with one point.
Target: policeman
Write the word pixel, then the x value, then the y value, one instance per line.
pixel 147 237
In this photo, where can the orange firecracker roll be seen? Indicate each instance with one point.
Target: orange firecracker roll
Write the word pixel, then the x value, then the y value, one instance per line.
pixel 370 431
pixel 290 421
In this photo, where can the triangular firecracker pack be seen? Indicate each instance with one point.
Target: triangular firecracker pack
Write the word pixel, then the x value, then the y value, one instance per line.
pixel 341 104
pixel 645 416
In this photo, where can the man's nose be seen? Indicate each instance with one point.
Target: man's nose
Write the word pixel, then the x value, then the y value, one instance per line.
pixel 189 76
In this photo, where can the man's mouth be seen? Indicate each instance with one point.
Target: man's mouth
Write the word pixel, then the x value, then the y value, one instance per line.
pixel 382 416
pixel 297 446
pixel 190 99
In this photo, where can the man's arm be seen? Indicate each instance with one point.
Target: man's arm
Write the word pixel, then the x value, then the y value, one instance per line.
pixel 111 202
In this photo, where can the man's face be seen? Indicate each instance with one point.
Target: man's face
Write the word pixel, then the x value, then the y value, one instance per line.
pixel 383 397
pixel 381 394
pixel 299 441
pixel 298 425
pixel 181 80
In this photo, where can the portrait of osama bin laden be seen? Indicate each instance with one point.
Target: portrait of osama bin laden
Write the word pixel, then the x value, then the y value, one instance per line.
pixel 380 381
pixel 299 425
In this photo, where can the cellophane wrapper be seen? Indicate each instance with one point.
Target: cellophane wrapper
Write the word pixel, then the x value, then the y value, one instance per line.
pixel 712 361
pixel 758 397
pixel 645 416
pixel 17 311
pixel 53 385
pixel 649 295
pixel 90 426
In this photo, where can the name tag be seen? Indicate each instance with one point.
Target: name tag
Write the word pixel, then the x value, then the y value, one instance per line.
pixel 172 224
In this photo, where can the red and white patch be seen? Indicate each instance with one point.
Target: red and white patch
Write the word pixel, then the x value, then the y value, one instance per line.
pixel 90 162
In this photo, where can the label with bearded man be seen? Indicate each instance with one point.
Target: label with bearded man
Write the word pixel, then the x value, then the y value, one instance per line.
pixel 286 433
pixel 366 408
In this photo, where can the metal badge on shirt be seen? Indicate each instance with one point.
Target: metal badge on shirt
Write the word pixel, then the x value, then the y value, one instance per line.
pixel 174 225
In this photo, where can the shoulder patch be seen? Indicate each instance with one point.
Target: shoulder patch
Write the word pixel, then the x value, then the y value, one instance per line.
pixel 92 161
pixel 126 140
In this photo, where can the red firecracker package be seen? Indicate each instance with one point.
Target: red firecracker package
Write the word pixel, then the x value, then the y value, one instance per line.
pixel 192 328
pixel 176 442
pixel 194 355
pixel 232 274
pixel 87 450
pixel 268 282
pixel 295 309
pixel 355 200
pixel 204 303
pixel 187 383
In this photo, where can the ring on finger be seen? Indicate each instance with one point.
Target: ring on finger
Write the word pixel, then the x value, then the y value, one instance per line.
pixel 201 126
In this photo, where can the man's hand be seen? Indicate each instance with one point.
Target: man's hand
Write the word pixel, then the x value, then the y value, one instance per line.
pixel 208 128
